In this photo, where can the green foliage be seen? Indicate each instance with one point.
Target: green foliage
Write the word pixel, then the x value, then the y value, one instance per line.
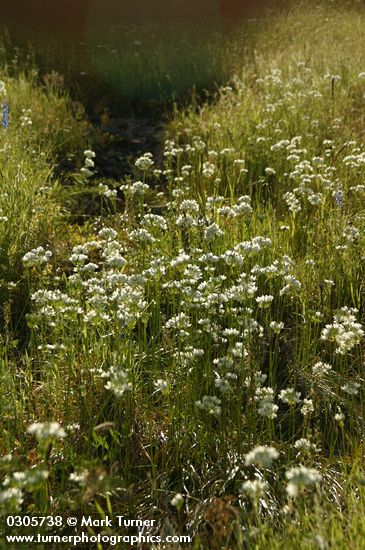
pixel 200 355
pixel 41 130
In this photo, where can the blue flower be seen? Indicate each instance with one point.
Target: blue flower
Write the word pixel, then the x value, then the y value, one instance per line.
pixel 339 198
pixel 4 114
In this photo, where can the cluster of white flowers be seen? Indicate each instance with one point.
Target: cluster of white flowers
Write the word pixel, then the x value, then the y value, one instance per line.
pixel 307 407
pixel 107 191
pixel 136 189
pixel 111 294
pixel 210 404
pixel 264 301
pixel 145 162
pixel 208 169
pixel 299 477
pixel 292 202
pixel 29 478
pixel 212 232
pixel 154 222
pixel 266 406
pixel 44 431
pixel 351 233
pixel 180 323
pixel 36 257
pixel 80 477
pixel 177 501
pixel 254 489
pixel 351 387
pixel 289 396
pixel 321 369
pixel 339 416
pixel 2 89
pixel 86 170
pixel 11 499
pixel 261 456
pixel 142 236
pixel 198 273
pixel 345 331
pixel 25 118
pixel 119 381
pixel 277 326
pixel 304 445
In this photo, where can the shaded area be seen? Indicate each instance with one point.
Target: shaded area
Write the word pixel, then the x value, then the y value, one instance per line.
pixel 59 16
pixel 126 62
pixel 132 52
pixel 122 139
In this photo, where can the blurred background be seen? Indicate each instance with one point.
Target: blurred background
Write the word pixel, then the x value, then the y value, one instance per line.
pixel 75 16
pixel 141 51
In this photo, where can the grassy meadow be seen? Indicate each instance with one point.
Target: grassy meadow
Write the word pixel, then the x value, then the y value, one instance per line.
pixel 194 354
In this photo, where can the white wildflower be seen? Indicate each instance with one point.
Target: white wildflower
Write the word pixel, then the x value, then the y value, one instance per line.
pixel 36 257
pixel 289 396
pixel 86 172
pixel 304 445
pixel 351 388
pixel 46 430
pixel 189 206
pixel 107 233
pixel 261 456
pixel 321 369
pixel 212 232
pixel 161 385
pixel 142 236
pixel 344 330
pixel 254 489
pixel 208 169
pixel 307 407
pixel 266 405
pixel 119 381
pixel 339 416
pixel 264 301
pixel 137 189
pixel 145 162
pixel 11 499
pixel 210 404
pixel 2 89
pixel 79 477
pixel 299 477
pixel 30 477
pixel 177 501
pixel 277 326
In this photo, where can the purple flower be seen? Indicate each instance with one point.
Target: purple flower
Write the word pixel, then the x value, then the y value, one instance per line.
pixel 339 198
pixel 4 114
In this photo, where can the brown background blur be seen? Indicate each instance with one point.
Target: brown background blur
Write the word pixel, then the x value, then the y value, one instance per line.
pixel 75 16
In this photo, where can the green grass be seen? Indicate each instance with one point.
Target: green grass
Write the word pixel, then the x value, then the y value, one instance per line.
pixel 147 343
pixel 42 131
